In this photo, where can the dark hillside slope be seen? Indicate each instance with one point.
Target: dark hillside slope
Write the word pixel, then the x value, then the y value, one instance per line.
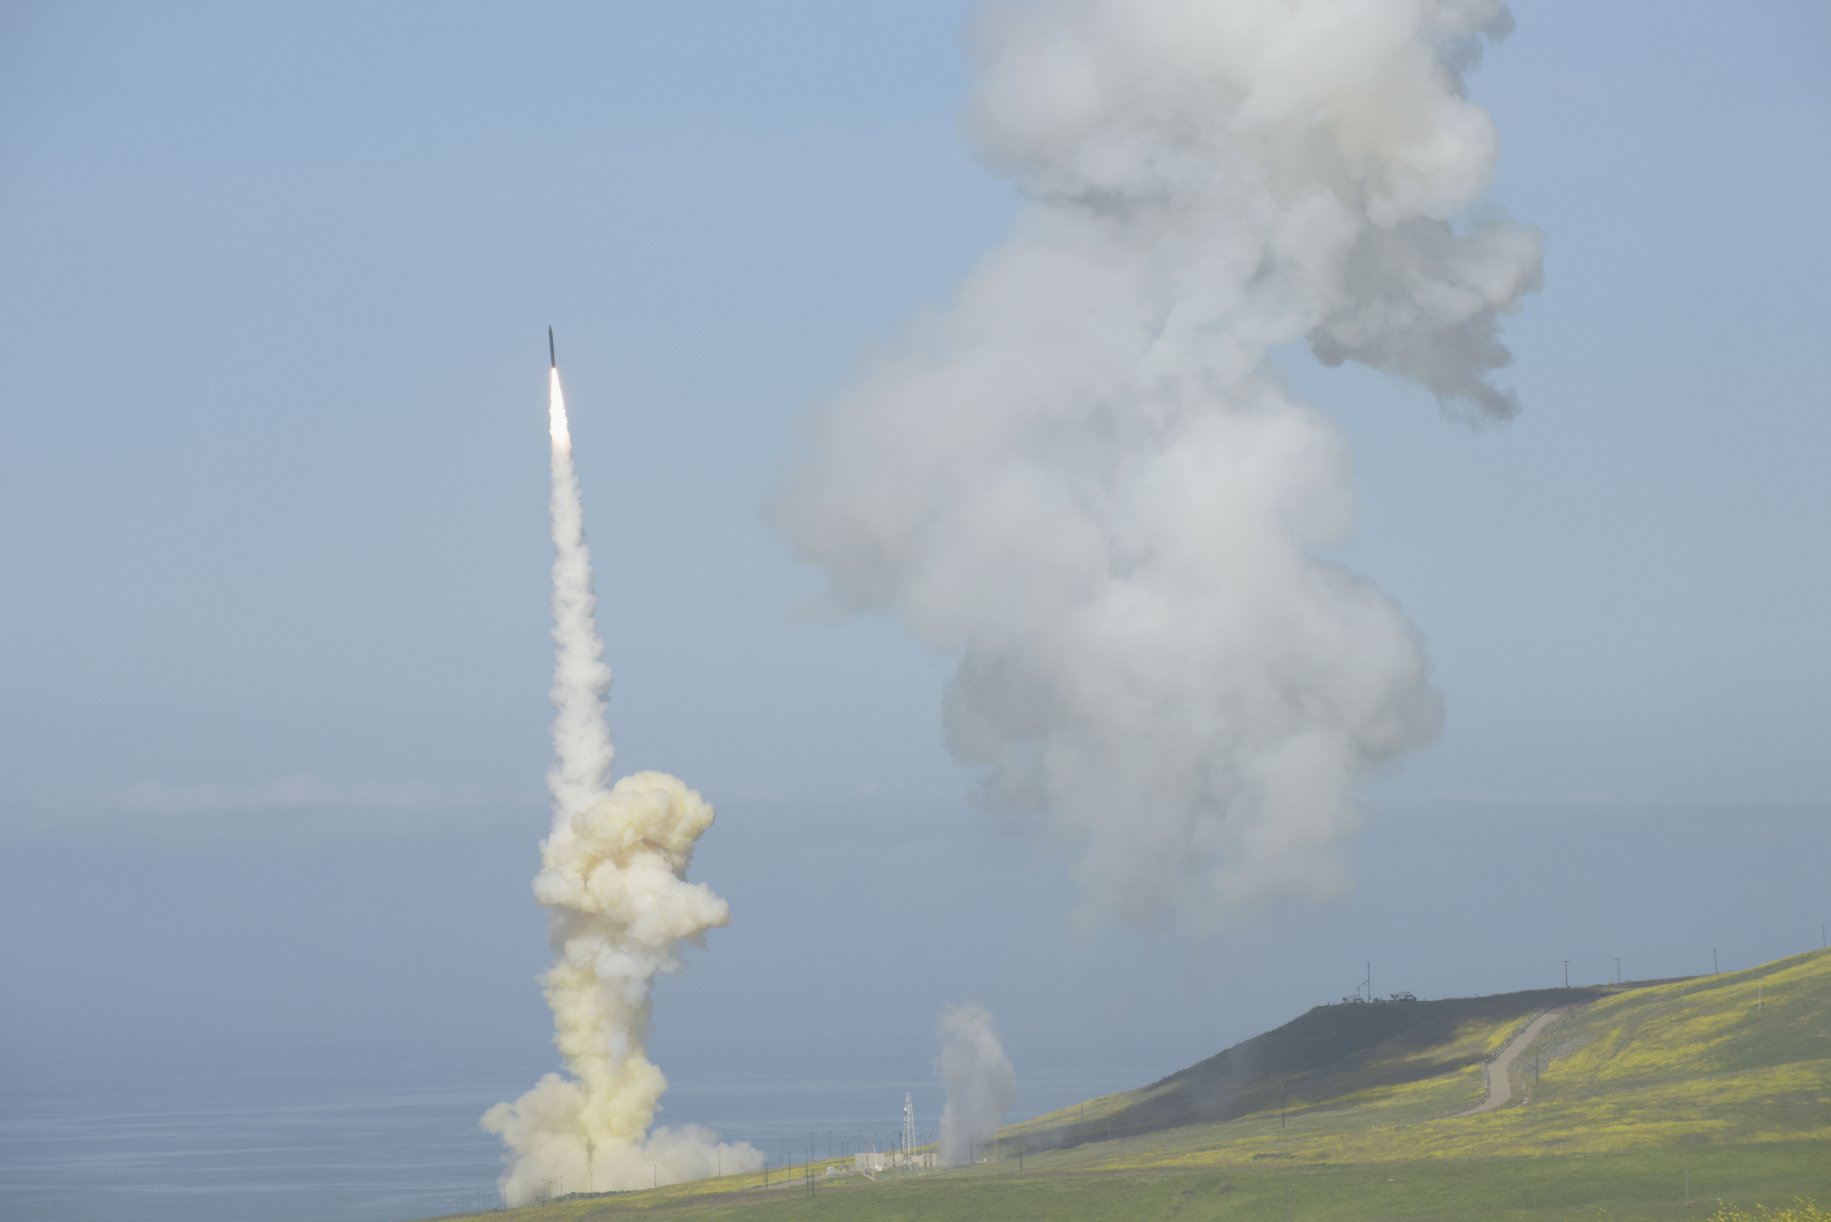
pixel 1316 1058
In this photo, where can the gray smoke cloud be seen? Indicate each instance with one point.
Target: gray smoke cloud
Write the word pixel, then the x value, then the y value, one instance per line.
pixel 1084 478
pixel 981 1085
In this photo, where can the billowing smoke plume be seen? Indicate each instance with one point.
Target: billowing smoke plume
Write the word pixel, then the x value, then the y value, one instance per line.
pixel 981 1085
pixel 1085 479
pixel 619 910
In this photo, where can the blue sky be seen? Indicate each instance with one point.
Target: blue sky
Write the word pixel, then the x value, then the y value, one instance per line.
pixel 272 506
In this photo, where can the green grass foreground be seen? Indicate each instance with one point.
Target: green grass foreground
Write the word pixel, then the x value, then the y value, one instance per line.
pixel 1691 1099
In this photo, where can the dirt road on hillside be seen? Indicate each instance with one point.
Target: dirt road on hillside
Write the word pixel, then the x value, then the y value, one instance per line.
pixel 1500 1069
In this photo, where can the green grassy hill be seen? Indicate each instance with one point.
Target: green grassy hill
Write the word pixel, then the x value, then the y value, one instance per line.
pixel 1313 1062
pixel 1648 1101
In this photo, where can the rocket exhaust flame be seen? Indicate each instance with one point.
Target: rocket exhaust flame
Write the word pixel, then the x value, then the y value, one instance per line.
pixel 619 909
pixel 558 429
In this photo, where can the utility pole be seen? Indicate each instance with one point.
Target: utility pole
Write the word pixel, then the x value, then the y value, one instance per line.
pixel 1617 969
pixel 1566 963
pixel 1713 961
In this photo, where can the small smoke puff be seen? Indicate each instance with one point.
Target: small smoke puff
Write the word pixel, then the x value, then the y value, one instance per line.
pixel 1085 480
pixel 981 1085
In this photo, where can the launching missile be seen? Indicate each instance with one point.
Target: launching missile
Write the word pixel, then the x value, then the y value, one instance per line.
pixel 552 361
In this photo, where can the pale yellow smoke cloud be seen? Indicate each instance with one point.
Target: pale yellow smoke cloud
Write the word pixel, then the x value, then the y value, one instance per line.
pixel 613 881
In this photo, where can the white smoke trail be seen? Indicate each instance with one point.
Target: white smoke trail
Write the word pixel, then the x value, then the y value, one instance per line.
pixel 619 910
pixel 981 1085
pixel 1085 479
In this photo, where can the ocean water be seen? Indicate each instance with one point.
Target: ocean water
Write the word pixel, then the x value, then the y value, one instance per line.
pixel 381 1139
